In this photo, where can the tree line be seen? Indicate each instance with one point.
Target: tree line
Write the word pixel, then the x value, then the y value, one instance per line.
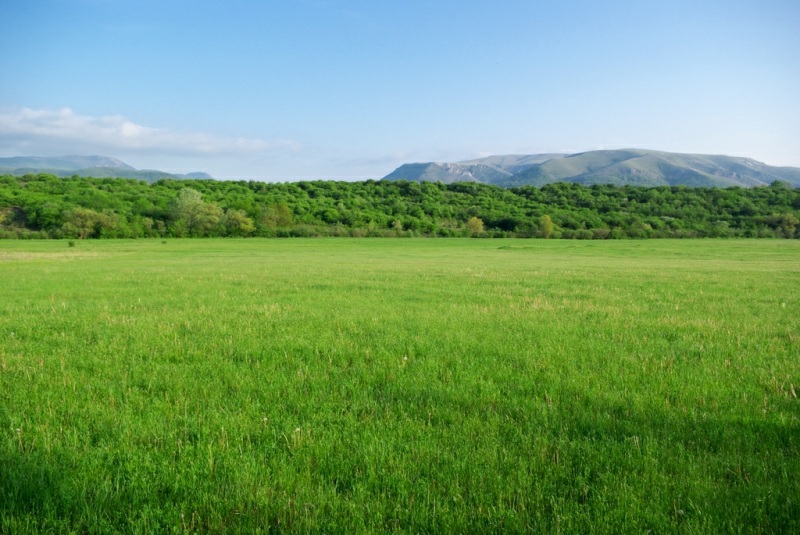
pixel 46 206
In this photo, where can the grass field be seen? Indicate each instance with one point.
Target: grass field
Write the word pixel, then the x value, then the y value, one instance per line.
pixel 425 386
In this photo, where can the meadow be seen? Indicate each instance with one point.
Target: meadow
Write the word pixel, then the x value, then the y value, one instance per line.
pixel 399 385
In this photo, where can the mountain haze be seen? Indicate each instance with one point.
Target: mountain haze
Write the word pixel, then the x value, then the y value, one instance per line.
pixel 622 167
pixel 85 166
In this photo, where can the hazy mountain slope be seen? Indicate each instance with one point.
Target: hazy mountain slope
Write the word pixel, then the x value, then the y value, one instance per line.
pixel 440 172
pixel 514 163
pixel 634 167
pixel 64 163
pixel 630 166
pixel 489 170
pixel 656 168
pixel 148 175
pixel 88 166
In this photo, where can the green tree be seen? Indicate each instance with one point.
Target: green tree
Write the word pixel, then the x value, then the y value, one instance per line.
pixel 196 216
pixel 187 207
pixel 208 220
pixel 277 216
pixel 86 223
pixel 546 226
pixel 237 223
pixel 474 226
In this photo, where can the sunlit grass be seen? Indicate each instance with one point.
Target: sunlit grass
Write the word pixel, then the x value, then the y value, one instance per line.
pixel 408 385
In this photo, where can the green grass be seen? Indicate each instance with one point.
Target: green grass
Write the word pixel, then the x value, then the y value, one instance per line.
pixel 400 385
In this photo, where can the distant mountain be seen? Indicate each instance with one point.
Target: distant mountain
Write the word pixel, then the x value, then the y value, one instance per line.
pixel 630 166
pixel 88 166
pixel 514 163
pixel 197 176
pixel 64 163
pixel 489 170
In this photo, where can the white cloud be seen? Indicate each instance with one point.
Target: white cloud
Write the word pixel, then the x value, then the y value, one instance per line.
pixel 63 131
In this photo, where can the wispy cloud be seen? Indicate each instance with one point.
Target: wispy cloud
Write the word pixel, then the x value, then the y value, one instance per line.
pixel 65 131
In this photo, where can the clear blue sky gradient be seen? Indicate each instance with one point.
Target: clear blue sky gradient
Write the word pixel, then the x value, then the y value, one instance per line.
pixel 323 89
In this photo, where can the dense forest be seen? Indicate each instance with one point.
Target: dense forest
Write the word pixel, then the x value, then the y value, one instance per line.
pixel 46 206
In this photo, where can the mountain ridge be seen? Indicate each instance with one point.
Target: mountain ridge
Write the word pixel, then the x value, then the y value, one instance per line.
pixel 640 167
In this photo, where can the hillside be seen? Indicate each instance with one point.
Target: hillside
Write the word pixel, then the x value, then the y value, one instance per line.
pixel 84 166
pixel 621 167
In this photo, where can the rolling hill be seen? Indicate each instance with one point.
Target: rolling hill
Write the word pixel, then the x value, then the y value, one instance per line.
pixel 85 166
pixel 622 167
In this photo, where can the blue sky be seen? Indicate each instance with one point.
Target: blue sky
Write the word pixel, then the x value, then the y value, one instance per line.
pixel 351 89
